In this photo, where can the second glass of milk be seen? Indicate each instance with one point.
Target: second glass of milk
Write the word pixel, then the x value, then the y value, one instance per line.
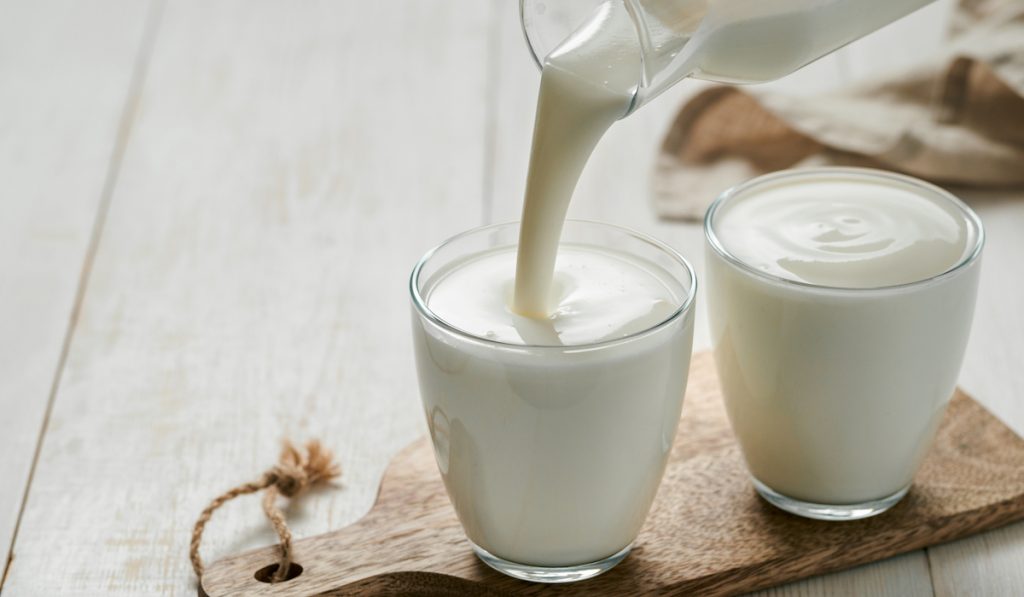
pixel 840 302
pixel 552 449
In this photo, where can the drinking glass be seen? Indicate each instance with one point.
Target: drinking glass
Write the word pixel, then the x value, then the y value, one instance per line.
pixel 552 454
pixel 835 394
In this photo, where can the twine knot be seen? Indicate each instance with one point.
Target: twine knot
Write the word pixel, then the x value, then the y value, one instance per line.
pixel 289 481
pixel 295 472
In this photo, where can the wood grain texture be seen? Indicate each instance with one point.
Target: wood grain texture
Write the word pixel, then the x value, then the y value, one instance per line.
pixel 708 533
pixel 284 171
pixel 65 78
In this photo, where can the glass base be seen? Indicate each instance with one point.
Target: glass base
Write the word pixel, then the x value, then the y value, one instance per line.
pixel 559 574
pixel 828 511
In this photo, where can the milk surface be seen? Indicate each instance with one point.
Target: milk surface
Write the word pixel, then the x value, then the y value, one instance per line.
pixel 835 386
pixel 598 295
pixel 844 231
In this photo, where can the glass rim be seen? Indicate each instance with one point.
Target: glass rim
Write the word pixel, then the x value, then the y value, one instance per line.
pixel 971 253
pixel 426 312
pixel 538 60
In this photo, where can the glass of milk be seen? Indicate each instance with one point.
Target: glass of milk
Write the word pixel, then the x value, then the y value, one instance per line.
pixel 840 302
pixel 552 436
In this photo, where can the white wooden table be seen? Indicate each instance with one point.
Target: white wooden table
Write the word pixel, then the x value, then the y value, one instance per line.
pixel 208 210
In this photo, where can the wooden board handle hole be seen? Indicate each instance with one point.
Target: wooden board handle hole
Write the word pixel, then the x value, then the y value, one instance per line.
pixel 266 574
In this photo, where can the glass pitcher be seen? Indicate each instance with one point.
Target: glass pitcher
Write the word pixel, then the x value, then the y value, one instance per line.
pixel 732 41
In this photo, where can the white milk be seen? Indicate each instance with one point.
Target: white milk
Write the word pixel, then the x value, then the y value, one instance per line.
pixel 744 41
pixel 552 435
pixel 587 84
pixel 598 296
pixel 844 231
pixel 835 393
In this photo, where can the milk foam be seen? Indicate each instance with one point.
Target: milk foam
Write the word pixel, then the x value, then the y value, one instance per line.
pixel 838 230
pixel 597 294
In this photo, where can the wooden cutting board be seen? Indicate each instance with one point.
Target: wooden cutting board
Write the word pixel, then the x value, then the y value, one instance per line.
pixel 707 533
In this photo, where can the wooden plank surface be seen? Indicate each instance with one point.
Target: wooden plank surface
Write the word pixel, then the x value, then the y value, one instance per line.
pixel 284 171
pixel 65 78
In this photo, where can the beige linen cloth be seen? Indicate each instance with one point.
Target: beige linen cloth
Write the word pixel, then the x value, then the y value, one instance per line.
pixel 955 119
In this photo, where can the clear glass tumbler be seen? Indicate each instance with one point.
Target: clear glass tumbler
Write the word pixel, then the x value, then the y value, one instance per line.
pixel 552 455
pixel 835 394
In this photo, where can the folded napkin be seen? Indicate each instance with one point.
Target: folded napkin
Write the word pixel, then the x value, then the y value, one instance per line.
pixel 957 118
